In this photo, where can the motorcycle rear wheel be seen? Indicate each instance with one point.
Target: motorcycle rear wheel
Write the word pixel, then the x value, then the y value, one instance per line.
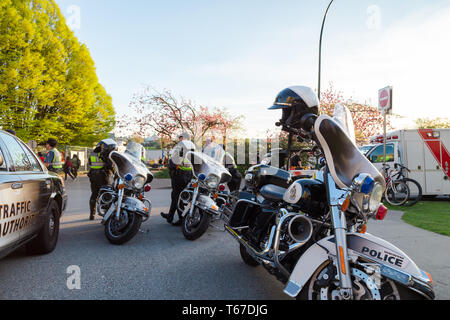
pixel 194 227
pixel 119 236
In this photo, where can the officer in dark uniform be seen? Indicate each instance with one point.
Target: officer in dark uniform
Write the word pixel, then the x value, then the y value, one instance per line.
pixel 235 183
pixel 99 171
pixel 53 160
pixel 180 173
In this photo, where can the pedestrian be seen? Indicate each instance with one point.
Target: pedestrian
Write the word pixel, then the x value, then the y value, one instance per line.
pixel 67 167
pixel 180 170
pixel 296 162
pixel 53 160
pixel 41 156
pixel 76 165
pixel 99 171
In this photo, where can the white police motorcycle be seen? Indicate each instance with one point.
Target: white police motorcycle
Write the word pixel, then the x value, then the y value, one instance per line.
pixel 201 202
pixel 122 204
pixel 311 233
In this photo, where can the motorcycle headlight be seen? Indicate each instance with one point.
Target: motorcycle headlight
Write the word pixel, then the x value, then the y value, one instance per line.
pixel 139 182
pixel 375 198
pixel 212 181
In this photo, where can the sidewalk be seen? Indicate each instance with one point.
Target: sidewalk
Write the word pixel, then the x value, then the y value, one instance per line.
pixel 429 250
pixel 161 184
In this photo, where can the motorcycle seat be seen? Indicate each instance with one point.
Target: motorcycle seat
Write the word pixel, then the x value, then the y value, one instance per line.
pixel 273 192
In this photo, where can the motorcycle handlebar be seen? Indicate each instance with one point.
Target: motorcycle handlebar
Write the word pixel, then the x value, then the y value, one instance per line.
pixel 398 165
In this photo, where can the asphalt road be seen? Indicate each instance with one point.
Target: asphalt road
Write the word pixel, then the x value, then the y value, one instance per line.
pixel 160 264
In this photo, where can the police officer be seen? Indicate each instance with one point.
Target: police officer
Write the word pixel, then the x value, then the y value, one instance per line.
pixel 53 160
pixel 98 177
pixel 230 164
pixel 180 173
pixel 100 170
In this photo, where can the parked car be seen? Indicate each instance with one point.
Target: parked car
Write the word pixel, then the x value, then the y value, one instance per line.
pixel 32 199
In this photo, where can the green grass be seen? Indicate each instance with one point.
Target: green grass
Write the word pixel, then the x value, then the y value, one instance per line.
pixel 429 215
pixel 163 174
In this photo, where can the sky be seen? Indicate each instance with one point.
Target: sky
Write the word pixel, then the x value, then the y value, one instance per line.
pixel 240 54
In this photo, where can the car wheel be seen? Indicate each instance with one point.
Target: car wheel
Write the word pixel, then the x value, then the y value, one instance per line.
pixel 46 240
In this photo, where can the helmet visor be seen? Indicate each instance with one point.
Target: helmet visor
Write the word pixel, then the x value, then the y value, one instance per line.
pixel 280 106
pixel 286 99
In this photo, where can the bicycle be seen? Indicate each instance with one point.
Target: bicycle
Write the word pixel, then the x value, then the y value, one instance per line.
pixel 397 191
pixel 415 194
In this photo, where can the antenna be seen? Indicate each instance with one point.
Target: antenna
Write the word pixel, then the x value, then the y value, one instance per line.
pixel 320 47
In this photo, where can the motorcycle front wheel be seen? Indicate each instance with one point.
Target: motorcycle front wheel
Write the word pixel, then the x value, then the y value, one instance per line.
pixel 196 225
pixel 319 287
pixel 123 230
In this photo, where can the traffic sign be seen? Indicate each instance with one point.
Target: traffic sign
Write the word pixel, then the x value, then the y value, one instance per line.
pixel 385 99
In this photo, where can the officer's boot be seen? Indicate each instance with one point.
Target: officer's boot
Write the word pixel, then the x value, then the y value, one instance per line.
pixel 92 214
pixel 167 216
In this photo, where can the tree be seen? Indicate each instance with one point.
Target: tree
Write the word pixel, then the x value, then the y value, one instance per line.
pixel 436 123
pixel 48 83
pixel 367 119
pixel 166 115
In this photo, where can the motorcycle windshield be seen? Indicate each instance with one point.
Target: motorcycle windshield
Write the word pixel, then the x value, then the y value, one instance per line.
pixel 343 157
pixel 179 152
pixel 214 151
pixel 125 163
pixel 343 117
pixel 135 149
pixel 202 163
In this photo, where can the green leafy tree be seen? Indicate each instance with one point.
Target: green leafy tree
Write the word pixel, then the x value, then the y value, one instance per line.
pixel 436 123
pixel 48 82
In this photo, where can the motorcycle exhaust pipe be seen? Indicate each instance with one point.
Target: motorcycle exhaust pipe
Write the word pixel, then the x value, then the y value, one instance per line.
pixel 262 255
pixel 300 229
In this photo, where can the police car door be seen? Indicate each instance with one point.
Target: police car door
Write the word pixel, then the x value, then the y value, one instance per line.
pixel 37 187
pixel 11 193
pixel 27 218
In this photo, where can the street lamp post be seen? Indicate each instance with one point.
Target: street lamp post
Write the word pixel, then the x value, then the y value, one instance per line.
pixel 320 47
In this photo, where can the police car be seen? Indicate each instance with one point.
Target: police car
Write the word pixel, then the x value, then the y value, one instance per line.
pixel 32 199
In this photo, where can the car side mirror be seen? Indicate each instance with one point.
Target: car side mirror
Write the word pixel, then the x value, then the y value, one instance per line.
pixel 1 160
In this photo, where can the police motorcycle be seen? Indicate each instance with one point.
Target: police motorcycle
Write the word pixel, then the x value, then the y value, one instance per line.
pixel 279 158
pixel 311 233
pixel 201 202
pixel 122 204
